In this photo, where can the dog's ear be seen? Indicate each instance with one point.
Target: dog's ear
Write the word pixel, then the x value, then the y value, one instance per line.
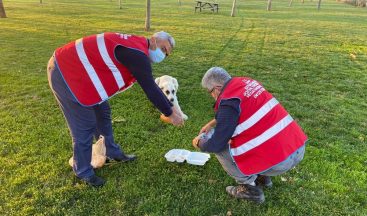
pixel 157 80
pixel 175 83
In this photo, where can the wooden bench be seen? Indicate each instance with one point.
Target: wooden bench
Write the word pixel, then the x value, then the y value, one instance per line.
pixel 206 5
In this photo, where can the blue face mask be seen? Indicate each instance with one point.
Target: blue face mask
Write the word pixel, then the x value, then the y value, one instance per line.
pixel 156 55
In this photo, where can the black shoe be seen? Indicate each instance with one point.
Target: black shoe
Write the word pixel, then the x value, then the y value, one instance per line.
pixel 122 158
pixel 265 181
pixel 248 192
pixel 93 180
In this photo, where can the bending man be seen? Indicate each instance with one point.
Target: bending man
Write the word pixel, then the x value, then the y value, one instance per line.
pixel 85 73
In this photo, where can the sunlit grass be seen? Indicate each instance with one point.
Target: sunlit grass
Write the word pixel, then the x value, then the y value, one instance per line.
pixel 300 54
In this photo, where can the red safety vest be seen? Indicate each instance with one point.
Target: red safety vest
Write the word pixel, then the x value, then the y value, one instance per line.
pixel 90 69
pixel 266 134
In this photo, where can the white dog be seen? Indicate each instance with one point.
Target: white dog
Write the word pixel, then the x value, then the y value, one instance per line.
pixel 169 87
pixel 98 154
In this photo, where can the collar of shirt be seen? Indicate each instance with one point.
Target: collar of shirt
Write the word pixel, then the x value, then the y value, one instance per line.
pixel 221 91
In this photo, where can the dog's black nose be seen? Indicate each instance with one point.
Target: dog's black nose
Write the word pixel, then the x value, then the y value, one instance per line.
pixel 172 99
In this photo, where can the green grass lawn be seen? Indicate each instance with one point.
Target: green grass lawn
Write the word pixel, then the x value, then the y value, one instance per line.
pixel 300 54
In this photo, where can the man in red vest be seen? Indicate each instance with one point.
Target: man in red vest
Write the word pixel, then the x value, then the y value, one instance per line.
pixel 85 73
pixel 254 136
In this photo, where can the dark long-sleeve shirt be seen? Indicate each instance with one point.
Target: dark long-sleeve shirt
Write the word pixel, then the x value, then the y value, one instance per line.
pixel 140 67
pixel 227 119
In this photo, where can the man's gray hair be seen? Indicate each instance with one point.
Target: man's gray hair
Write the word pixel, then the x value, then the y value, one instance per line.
pixel 215 76
pixel 165 36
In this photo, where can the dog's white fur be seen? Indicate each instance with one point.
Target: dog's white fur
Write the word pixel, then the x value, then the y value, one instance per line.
pixel 169 87
pixel 98 154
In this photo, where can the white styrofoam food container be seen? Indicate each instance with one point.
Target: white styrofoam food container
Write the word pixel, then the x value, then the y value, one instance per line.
pixel 197 158
pixel 180 155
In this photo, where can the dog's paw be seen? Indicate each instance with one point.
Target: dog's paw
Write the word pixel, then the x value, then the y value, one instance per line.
pixel 185 117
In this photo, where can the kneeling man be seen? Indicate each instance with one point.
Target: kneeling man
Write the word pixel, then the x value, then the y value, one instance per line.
pixel 254 136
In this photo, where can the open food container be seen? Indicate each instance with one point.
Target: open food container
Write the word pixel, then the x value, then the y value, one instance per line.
pixel 180 155
pixel 197 158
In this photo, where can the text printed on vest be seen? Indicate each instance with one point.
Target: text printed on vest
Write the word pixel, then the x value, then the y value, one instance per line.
pixel 124 36
pixel 252 88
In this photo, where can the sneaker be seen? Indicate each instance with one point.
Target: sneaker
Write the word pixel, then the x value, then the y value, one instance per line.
pixel 265 181
pixel 122 158
pixel 93 180
pixel 248 192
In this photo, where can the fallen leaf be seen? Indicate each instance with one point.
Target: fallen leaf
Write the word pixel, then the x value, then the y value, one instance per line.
pixel 352 56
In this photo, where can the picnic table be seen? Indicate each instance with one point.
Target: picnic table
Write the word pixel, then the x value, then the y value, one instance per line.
pixel 206 5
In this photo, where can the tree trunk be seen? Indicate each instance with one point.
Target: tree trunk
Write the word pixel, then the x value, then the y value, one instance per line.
pixel 233 8
pixel 147 18
pixel 290 3
pixel 2 10
pixel 269 6
pixel 319 5
pixel 120 5
pixel 179 2
pixel 303 1
pixel 40 1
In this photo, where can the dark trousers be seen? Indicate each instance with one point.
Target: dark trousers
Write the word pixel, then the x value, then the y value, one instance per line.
pixel 84 123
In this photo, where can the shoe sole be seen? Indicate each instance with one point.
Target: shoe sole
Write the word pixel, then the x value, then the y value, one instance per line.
pixel 258 200
pixel 112 162
pixel 78 180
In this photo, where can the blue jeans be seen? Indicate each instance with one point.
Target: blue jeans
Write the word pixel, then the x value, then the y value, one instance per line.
pixel 230 166
pixel 84 123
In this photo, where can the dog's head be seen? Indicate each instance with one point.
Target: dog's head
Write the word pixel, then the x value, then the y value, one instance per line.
pixel 169 86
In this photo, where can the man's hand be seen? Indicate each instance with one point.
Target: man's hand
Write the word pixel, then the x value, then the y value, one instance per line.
pixel 205 129
pixel 176 118
pixel 208 126
pixel 195 142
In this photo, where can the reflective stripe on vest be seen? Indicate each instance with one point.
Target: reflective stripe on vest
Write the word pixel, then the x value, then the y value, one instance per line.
pixel 108 61
pixel 256 117
pixel 90 70
pixel 266 135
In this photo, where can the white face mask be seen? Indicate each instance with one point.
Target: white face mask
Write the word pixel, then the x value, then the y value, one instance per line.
pixel 156 55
